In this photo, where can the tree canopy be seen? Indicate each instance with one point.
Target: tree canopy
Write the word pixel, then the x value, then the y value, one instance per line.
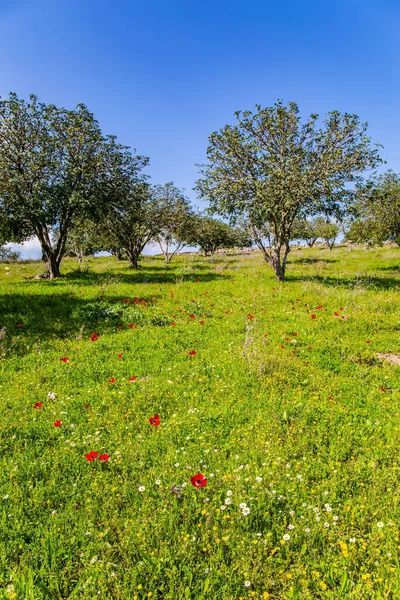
pixel 271 168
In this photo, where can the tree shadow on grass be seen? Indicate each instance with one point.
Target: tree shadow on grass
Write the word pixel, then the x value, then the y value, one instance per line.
pixel 311 261
pixel 372 282
pixel 146 274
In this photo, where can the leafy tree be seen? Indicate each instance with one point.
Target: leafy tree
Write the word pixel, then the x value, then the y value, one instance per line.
pixel 211 234
pixel 130 219
pixel 377 209
pixel 327 231
pixel 271 167
pixel 81 240
pixel 304 229
pixel 177 220
pixel 50 160
pixel 8 254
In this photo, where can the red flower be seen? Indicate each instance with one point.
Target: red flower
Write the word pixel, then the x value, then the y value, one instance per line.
pixel 65 359
pixel 309 347
pixel 57 423
pixel 294 334
pixel 131 326
pixel 198 480
pixel 119 327
pixel 155 420
pixel 104 458
pixel 319 307
pixel 91 456
pixel 192 316
pixel 87 405
pixel 38 405
pixel 19 324
pixel 287 339
pixel 94 337
pixel 112 380
pixel 368 341
pixel 173 324
pixel 132 378
pixel 282 346
pixel 120 355
pixel 201 322
pixel 313 316
pixel 336 314
pixel 382 389
pixel 265 334
pixel 192 353
pixel 251 317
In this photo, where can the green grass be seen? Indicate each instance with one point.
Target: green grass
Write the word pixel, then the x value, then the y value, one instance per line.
pixel 297 427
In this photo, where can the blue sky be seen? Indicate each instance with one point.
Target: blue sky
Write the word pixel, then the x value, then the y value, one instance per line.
pixel 162 75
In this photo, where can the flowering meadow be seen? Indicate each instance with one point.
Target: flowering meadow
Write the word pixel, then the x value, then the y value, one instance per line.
pixel 200 431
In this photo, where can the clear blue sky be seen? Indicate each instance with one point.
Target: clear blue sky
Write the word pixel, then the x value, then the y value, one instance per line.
pixel 163 74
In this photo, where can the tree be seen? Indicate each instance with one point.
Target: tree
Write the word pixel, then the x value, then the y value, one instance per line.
pixel 304 229
pixel 8 254
pixel 327 231
pixel 211 234
pixel 177 220
pixel 50 159
pixel 377 210
pixel 271 167
pixel 81 240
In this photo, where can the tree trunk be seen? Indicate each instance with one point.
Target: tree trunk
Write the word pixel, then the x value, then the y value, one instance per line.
pixel 285 255
pixel 118 255
pixel 167 259
pixel 53 266
pixel 277 264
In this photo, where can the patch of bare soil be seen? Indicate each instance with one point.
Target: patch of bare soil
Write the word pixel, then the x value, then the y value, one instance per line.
pixel 393 359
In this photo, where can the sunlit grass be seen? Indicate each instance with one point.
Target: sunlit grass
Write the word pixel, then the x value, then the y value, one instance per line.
pixel 272 391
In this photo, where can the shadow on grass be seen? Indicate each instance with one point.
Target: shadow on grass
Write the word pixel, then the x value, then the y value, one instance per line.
pixel 311 261
pixel 381 283
pixel 146 274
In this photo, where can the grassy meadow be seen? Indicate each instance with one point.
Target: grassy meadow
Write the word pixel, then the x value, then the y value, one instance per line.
pixel 272 391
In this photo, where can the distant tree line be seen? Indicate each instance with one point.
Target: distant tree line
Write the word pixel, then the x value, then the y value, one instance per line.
pixel 273 177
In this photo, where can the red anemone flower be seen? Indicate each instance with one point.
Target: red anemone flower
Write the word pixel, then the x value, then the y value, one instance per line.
pixel 382 389
pixel 201 322
pixel 192 316
pixel 112 380
pixel 368 341
pixel 131 326
pixel 198 480
pixel 19 324
pixel 192 353
pixel 57 423
pixel 313 316
pixel 87 405
pixel 120 355
pixel 173 324
pixel 104 458
pixel 251 317
pixel 38 405
pixel 91 456
pixel 65 359
pixel 336 314
pixel 155 420
pixel 132 378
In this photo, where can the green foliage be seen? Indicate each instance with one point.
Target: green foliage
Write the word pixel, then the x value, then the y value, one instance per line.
pixel 8 254
pixel 211 234
pixel 271 168
pixel 377 209
pixel 176 219
pixel 295 417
